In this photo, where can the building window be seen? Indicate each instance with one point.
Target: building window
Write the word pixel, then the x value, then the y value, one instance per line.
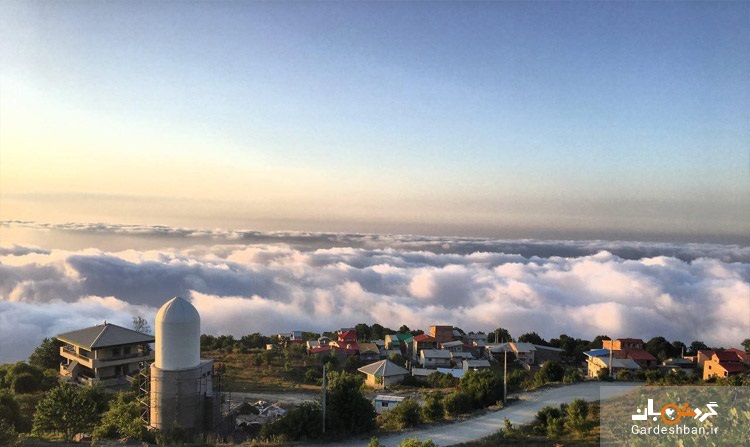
pixel 116 352
pixel 384 404
pixel 127 350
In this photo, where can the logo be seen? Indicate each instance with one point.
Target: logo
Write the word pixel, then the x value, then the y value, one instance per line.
pixel 672 413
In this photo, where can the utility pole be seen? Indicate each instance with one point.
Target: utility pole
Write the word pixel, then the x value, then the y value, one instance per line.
pixel 324 398
pixel 505 378
pixel 611 348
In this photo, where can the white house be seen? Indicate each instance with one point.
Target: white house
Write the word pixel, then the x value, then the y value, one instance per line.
pixel 383 402
pixel 383 373
pixel 435 358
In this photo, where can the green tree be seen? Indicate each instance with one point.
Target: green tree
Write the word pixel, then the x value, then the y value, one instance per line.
pixel 64 410
pixel 696 346
pixel 483 386
pixel 122 419
pixel 433 410
pixel 458 403
pixel 603 374
pixel 302 423
pixel 746 344
pixel 499 335
pixel 363 331
pixel 404 329
pixel 348 411
pixel 10 411
pixel 8 435
pixel 47 354
pixel 549 372
pixel 572 375
pixel 398 359
pixel 532 337
pixel 660 348
pixel 575 417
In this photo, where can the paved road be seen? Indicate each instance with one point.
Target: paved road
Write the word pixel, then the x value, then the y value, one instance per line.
pixel 520 412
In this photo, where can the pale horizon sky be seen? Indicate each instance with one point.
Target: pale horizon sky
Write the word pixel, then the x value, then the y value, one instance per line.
pixel 611 120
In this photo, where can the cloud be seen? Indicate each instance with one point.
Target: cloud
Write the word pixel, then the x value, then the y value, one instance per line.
pixel 285 285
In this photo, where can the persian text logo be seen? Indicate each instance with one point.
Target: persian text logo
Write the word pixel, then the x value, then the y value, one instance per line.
pixel 672 413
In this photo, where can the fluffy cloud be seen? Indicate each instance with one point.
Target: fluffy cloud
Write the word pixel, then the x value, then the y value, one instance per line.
pixel 321 282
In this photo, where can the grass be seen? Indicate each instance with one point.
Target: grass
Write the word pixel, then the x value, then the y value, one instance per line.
pixel 242 373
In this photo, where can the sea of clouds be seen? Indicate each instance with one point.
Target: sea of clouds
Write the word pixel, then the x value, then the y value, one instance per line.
pixel 244 281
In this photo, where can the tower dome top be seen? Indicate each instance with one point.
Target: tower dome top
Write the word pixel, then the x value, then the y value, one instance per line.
pixel 177 311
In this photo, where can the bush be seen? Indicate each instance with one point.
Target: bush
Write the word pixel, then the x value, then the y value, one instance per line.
pixel 404 415
pixel 575 417
pixel 484 387
pixel 122 419
pixel 348 411
pixel 439 380
pixel 433 409
pixel 415 442
pixel 572 376
pixel 8 435
pixel 603 375
pixel 623 376
pixel 543 415
pixel 458 403
pixel 549 372
pixel 302 423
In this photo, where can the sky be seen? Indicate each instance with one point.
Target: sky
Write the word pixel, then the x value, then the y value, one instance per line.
pixel 573 120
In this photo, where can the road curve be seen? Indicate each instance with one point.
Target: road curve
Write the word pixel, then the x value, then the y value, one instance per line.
pixel 520 412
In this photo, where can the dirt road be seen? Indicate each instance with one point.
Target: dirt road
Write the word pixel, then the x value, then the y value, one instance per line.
pixel 520 412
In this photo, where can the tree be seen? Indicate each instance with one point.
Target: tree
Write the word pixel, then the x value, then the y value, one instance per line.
pixel 348 411
pixel 8 435
pixel 458 403
pixel 499 335
pixel 660 348
pixel 377 332
pixel 484 387
pixel 603 374
pixel 532 337
pixel 64 410
pixel 397 359
pixel 140 324
pixel 363 331
pixel 10 411
pixel 23 378
pixel 404 329
pixel 433 410
pixel 746 344
pixel 549 372
pixel 696 346
pixel 575 417
pixel 47 354
pixel 122 419
pixel 302 423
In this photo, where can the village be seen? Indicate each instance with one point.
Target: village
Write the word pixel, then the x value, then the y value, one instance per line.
pixel 409 366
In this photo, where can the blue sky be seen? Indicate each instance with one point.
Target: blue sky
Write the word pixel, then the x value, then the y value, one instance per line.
pixel 614 119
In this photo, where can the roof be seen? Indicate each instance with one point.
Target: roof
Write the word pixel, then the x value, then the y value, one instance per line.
pixel 523 347
pixel 482 363
pixel 368 347
pixel 639 354
pixel 498 347
pixel 389 398
pixel 405 337
pixel 424 338
pixel 624 364
pixel 707 352
pixel 596 353
pixel 436 353
pixel 452 344
pixel 732 367
pixel 348 334
pixel 383 368
pixel 105 335
pixel 548 348
pixel 177 311
pixel 630 340
pixel 727 356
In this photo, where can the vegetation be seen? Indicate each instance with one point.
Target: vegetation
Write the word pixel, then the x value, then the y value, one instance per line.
pixel 484 387
pixel 499 335
pixel 301 424
pixel 404 415
pixel 433 409
pixel 46 355
pixel 122 419
pixel 66 410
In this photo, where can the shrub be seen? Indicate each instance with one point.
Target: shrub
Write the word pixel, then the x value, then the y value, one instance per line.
pixel 433 409
pixel 415 442
pixel 603 374
pixel 572 376
pixel 484 387
pixel 623 376
pixel 543 415
pixel 439 380
pixel 302 423
pixel 404 415
pixel 458 403
pixel 575 417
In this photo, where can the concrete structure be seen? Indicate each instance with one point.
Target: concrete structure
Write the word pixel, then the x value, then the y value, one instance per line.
pixel 106 354
pixel 442 334
pixel 383 373
pixel 181 383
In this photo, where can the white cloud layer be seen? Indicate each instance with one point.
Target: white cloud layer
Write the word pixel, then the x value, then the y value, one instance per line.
pixel 279 282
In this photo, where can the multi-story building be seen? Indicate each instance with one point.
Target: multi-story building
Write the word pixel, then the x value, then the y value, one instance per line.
pixel 107 354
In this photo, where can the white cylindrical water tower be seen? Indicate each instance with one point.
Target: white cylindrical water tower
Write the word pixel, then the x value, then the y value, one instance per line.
pixel 178 336
pixel 181 383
